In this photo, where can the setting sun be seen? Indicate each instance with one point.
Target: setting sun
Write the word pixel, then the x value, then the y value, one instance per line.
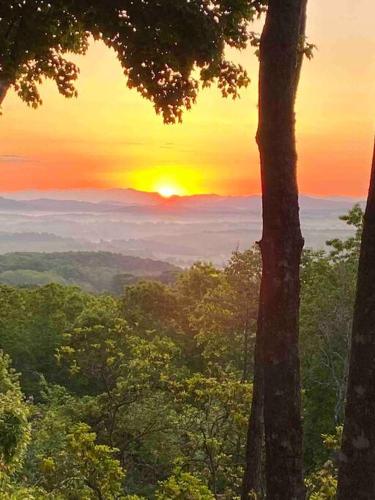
pixel 167 191
pixel 167 180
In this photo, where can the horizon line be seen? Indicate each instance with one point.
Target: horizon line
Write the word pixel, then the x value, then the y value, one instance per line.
pixel 175 196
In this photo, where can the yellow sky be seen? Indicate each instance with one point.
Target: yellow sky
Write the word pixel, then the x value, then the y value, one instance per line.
pixel 110 136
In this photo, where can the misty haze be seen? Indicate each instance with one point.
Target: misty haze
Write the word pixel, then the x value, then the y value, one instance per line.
pixel 180 230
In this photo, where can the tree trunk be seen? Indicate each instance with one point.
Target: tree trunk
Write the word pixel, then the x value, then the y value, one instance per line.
pixel 252 479
pixel 357 458
pixel 281 245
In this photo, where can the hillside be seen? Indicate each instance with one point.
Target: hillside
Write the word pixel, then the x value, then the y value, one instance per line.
pixel 93 271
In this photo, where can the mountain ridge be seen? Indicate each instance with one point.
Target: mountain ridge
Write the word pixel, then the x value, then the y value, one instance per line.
pixel 96 200
pixel 98 271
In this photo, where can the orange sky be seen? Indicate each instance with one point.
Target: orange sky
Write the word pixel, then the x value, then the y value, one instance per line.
pixel 110 136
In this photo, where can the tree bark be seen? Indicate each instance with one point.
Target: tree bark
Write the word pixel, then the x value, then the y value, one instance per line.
pixel 281 246
pixel 252 479
pixel 357 457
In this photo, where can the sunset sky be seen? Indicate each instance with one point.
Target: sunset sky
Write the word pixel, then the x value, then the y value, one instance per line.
pixel 110 136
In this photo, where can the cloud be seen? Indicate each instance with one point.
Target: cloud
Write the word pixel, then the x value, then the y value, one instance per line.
pixel 14 159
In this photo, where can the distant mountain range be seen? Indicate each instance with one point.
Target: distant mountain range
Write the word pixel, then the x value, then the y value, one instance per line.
pixel 180 229
pixel 125 196
pixel 49 204
pixel 114 200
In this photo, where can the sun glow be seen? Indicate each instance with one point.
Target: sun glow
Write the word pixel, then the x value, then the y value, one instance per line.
pixel 167 180
pixel 167 191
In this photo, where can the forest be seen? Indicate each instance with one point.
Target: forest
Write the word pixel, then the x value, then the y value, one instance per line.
pixel 146 395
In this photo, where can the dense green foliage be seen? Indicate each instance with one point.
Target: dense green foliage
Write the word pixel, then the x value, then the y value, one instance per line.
pixel 92 271
pixel 328 290
pixel 147 395
pixel 14 426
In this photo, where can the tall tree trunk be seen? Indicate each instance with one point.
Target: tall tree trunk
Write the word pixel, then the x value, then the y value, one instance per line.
pixel 281 246
pixel 357 458
pixel 252 479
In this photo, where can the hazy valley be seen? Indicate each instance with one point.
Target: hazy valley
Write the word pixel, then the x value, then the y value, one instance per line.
pixel 179 230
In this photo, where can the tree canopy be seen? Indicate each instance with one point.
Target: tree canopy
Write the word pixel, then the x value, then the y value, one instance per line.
pixel 166 48
pixel 35 36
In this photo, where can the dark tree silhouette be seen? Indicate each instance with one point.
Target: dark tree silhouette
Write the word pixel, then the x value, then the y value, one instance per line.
pixel 357 458
pixel 282 47
pixel 160 45
pixel 35 35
